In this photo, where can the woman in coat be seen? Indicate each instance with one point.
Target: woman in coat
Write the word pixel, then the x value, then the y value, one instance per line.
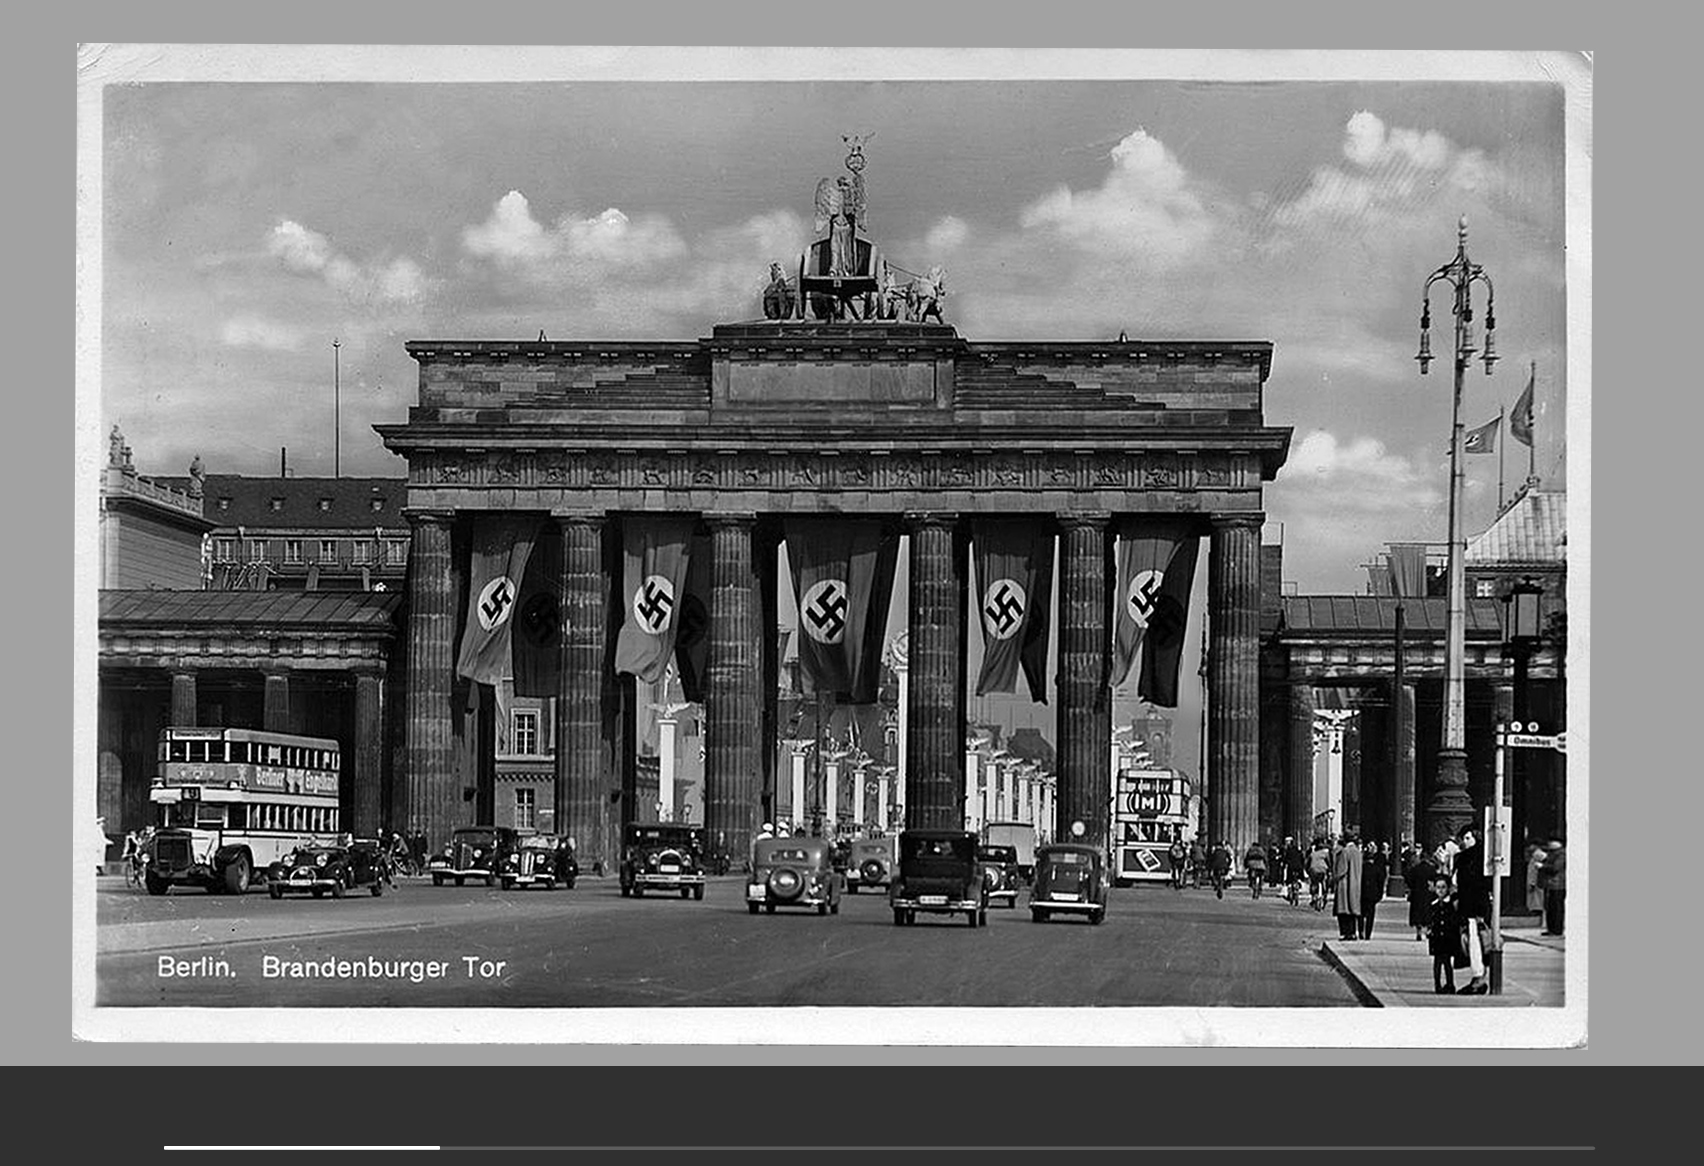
pixel 1419 874
pixel 1375 870
pixel 1346 887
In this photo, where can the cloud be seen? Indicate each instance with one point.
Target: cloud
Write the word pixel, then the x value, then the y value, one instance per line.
pixel 1362 466
pixel 255 332
pixel 1148 205
pixel 610 241
pixel 307 252
pixel 948 234
pixel 1391 169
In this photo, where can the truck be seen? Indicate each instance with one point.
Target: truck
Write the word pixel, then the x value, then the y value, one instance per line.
pixel 1020 836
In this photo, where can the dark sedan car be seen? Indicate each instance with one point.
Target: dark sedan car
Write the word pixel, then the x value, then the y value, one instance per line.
pixel 539 860
pixel 871 863
pixel 1000 873
pixel 1070 879
pixel 938 874
pixel 793 872
pixel 337 870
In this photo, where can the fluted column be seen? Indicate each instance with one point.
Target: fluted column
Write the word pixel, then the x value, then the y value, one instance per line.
pixel 183 699
pixel 366 768
pixel 733 697
pixel 582 771
pixel 432 794
pixel 1084 749
pixel 1300 809
pixel 1233 725
pixel 275 713
pixel 1402 780
pixel 1274 821
pixel 934 779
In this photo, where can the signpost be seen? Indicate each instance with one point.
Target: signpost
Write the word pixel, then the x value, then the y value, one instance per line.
pixel 1499 825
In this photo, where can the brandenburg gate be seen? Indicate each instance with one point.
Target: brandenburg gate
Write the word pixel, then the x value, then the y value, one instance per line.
pixel 826 410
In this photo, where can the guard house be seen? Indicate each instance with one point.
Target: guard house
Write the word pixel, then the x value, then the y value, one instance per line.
pixel 860 407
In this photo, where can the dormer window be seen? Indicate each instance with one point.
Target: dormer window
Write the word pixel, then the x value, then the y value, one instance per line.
pixel 325 503
pixel 224 504
pixel 277 504
pixel 378 504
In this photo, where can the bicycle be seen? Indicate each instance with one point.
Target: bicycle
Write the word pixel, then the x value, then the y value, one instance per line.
pixel 136 871
pixel 1293 891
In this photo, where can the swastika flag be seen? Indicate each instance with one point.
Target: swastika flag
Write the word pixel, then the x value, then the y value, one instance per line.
pixel 537 635
pixel 501 547
pixel 654 560
pixel 1145 555
pixel 842 581
pixel 1013 593
pixel 1162 649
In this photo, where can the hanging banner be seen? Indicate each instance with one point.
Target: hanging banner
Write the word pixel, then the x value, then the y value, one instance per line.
pixel 1014 578
pixel 842 581
pixel 1144 553
pixel 692 641
pixel 537 637
pixel 1168 626
pixel 501 546
pixel 654 559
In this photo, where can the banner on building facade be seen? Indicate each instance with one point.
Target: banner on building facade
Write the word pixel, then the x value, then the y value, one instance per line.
pixel 537 637
pixel 842 581
pixel 655 557
pixel 692 641
pixel 1014 581
pixel 1145 553
pixel 497 561
pixel 1168 627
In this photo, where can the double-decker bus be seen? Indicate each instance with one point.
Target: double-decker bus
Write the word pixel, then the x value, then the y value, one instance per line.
pixel 1150 812
pixel 230 802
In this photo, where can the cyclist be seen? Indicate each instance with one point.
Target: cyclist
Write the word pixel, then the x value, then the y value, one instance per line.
pixel 1254 866
pixel 1319 867
pixel 1220 864
pixel 1295 866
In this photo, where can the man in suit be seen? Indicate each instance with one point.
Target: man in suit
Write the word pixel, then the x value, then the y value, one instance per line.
pixel 1473 902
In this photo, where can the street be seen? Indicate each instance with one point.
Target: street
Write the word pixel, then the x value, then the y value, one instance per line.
pixel 421 946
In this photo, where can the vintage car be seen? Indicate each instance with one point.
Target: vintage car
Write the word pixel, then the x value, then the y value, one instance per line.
pixel 938 873
pixel 1070 879
pixel 871 863
pixel 474 852
pixel 662 857
pixel 539 860
pixel 318 869
pixel 1000 873
pixel 793 872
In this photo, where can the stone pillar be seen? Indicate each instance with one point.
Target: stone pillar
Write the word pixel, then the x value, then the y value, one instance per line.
pixel 367 759
pixel 431 796
pixel 1084 747
pixel 183 700
pixel 1301 776
pixel 934 772
pixel 799 817
pixel 582 772
pixel 830 798
pixel 1275 822
pixel 1402 778
pixel 733 700
pixel 1233 725
pixel 275 717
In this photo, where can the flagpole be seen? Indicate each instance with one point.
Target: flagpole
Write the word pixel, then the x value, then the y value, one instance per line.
pixel 1502 440
pixel 1532 426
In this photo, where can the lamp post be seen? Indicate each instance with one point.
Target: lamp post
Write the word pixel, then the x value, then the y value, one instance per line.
pixel 1449 807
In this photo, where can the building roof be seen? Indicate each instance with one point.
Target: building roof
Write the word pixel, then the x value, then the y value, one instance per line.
pixel 238 500
pixel 1368 614
pixel 1533 531
pixel 355 609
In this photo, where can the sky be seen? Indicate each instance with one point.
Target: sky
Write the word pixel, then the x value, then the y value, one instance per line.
pixel 247 226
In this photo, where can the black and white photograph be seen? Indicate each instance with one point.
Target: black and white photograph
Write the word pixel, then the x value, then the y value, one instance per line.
pixel 832 546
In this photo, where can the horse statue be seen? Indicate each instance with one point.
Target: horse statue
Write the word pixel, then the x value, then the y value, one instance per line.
pixel 923 296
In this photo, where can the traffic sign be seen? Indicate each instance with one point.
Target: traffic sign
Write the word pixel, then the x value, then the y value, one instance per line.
pixel 1536 741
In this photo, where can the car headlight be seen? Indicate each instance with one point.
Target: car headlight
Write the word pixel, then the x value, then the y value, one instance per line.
pixel 478 850
pixel 319 860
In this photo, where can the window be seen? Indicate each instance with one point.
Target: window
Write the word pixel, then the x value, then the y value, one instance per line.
pixel 225 550
pixel 1485 588
pixel 328 550
pixel 396 551
pixel 325 503
pixel 525 724
pixel 277 504
pixel 526 809
pixel 293 550
pixel 256 549
pixel 224 504
pixel 378 504
pixel 363 550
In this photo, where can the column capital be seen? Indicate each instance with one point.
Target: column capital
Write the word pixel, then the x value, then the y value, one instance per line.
pixel 1230 520
pixel 592 518
pixel 1099 519
pixel 417 516
pixel 947 518
pixel 735 518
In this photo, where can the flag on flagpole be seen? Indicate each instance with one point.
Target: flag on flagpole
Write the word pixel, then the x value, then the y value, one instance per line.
pixel 501 547
pixel 1408 570
pixel 1483 439
pixel 537 635
pixel 654 577
pixel 1520 418
pixel 842 581
pixel 1144 555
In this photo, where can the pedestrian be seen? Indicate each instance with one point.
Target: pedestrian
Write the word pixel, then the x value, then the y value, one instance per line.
pixel 1554 877
pixel 1295 868
pixel 1534 892
pixel 1179 855
pixel 1443 930
pixel 1220 862
pixel 1375 870
pixel 1473 901
pixel 1254 865
pixel 1346 887
pixel 1419 875
pixel 1197 862
pixel 1319 870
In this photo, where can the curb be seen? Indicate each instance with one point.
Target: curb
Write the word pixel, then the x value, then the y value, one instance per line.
pixel 1364 994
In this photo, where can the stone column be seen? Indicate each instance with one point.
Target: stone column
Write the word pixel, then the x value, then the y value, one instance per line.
pixel 1084 748
pixel 367 759
pixel 934 776
pixel 1274 820
pixel 1301 776
pixel 275 716
pixel 431 795
pixel 183 700
pixel 1233 725
pixel 582 769
pixel 1402 778
pixel 733 700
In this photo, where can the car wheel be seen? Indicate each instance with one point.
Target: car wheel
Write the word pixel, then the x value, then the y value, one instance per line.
pixel 1037 914
pixel 822 908
pixel 698 892
pixel 910 917
pixel 490 880
pixel 638 891
pixel 461 880
pixel 155 884
pixel 319 892
pixel 567 886
pixel 378 888
pixel 686 892
pixel 437 880
pixel 971 915
pixel 751 908
pixel 508 884
pixel 276 892
pixel 852 888
pixel 337 888
pixel 982 918
pixel 237 875
pixel 1096 916
pixel 898 917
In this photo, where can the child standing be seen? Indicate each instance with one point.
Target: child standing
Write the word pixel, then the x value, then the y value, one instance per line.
pixel 1443 928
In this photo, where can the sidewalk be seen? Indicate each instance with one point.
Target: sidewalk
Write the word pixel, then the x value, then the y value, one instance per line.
pixel 1393 969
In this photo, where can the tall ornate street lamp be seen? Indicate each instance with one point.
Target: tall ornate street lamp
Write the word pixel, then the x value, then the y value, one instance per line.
pixel 1450 808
